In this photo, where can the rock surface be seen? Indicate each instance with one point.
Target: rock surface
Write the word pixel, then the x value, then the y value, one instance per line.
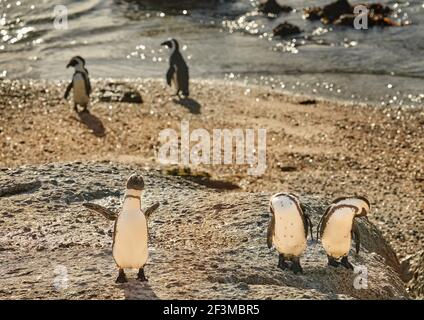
pixel 416 285
pixel 286 29
pixel 335 9
pixel 340 12
pixel 273 7
pixel 203 243
pixel 120 92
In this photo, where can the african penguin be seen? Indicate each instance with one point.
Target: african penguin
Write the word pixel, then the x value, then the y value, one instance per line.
pixel 337 227
pixel 288 230
pixel 80 83
pixel 130 234
pixel 178 69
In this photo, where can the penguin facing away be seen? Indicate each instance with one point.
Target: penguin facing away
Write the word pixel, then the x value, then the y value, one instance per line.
pixel 337 227
pixel 130 236
pixel 80 83
pixel 288 230
pixel 178 69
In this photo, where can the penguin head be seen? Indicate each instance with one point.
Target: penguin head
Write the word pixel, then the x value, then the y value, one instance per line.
pixel 365 206
pixel 76 62
pixel 171 44
pixel 360 202
pixel 135 182
pixel 280 202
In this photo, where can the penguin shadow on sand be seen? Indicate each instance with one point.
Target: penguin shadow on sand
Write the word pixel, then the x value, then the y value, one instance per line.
pixel 136 290
pixel 92 122
pixel 192 105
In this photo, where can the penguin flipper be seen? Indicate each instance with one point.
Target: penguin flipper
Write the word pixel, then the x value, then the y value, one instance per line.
pixel 68 89
pixel 356 236
pixel 150 210
pixel 310 225
pixel 108 214
pixel 87 83
pixel 323 221
pixel 307 221
pixel 270 232
pixel 170 75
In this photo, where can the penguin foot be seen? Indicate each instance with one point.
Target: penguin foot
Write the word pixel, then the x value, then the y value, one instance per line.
pixel 141 276
pixel 332 262
pixel 296 267
pixel 345 263
pixel 122 278
pixel 282 264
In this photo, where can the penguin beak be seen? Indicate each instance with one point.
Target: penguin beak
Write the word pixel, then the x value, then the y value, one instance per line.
pixel 166 43
pixel 71 63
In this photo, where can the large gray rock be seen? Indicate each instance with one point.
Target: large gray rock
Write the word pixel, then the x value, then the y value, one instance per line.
pixel 203 243
pixel 416 285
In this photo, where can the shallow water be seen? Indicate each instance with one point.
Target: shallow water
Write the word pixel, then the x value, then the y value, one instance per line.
pixel 220 39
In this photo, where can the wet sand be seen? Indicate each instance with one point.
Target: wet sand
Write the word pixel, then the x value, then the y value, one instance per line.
pixel 324 148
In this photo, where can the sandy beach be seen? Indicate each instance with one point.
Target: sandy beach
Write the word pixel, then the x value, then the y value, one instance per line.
pixel 317 148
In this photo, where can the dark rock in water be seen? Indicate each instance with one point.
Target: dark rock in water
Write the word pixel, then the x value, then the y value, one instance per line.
pixel 286 29
pixel 381 20
pixel 312 13
pixel 341 13
pixel 333 11
pixel 373 20
pixel 273 7
pixel 120 92
pixel 345 20
pixel 378 8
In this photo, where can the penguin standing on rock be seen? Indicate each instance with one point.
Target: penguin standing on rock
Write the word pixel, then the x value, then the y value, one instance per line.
pixel 178 69
pixel 80 83
pixel 288 230
pixel 337 227
pixel 130 234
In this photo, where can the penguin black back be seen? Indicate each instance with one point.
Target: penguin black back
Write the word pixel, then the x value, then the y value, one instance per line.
pixel 178 69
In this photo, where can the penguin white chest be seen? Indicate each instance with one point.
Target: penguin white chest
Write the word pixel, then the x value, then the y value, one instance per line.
pixel 80 94
pixel 336 238
pixel 130 244
pixel 289 233
pixel 175 78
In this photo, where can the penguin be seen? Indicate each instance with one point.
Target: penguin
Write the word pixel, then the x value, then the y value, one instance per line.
pixel 337 227
pixel 80 83
pixel 178 69
pixel 129 248
pixel 288 230
pixel 130 235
